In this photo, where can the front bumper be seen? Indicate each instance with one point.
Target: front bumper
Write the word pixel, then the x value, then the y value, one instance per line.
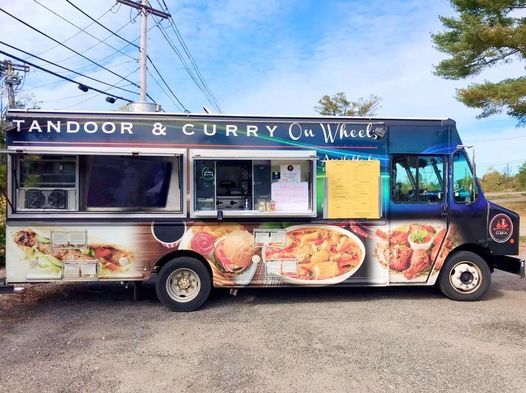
pixel 510 264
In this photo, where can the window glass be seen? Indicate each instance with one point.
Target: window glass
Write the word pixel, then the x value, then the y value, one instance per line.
pixel 430 179
pixel 404 188
pixel 47 171
pixel 253 185
pixel 133 182
pixel 205 185
pixel 45 182
pixel 417 179
pixel 464 190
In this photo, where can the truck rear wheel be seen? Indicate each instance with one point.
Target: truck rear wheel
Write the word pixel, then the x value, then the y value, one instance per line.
pixel 465 277
pixel 183 284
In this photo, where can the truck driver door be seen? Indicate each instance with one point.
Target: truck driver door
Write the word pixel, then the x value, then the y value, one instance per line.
pixel 418 215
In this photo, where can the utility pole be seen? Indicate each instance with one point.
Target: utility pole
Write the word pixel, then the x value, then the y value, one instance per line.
pixel 145 10
pixel 12 79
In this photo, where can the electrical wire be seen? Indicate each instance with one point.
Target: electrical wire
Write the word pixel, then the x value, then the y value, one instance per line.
pixel 181 40
pixel 95 95
pixel 60 81
pixel 98 43
pixel 62 77
pixel 149 59
pixel 76 34
pixel 166 93
pixel 64 68
pixel 166 84
pixel 174 48
pixel 101 25
pixel 60 43
pixel 86 32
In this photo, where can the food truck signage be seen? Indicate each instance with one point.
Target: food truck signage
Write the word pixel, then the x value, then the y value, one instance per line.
pixel 205 132
pixel 239 201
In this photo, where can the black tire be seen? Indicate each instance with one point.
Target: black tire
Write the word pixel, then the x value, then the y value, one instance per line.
pixel 465 277
pixel 172 293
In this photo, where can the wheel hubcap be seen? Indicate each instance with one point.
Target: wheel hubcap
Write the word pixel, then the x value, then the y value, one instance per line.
pixel 183 285
pixel 465 277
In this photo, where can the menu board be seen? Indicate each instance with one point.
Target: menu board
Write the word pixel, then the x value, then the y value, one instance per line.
pixel 291 197
pixel 353 189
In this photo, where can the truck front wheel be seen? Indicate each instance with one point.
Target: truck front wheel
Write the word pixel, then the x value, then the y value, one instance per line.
pixel 465 276
pixel 183 284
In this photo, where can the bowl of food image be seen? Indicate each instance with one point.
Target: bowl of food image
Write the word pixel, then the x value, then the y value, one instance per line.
pixel 315 255
pixel 421 237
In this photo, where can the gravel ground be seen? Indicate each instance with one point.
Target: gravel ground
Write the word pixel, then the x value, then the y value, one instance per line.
pixel 95 338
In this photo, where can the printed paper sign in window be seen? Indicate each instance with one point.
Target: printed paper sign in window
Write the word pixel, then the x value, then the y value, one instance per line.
pixel 353 189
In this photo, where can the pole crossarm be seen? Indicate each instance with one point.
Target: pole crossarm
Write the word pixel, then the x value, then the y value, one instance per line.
pixel 148 9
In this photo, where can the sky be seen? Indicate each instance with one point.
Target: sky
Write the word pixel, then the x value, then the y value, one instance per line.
pixel 263 57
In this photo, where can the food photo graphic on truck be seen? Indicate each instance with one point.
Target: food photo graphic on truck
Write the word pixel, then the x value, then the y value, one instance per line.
pixel 199 201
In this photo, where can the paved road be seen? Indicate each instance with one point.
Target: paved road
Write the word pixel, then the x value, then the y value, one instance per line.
pixel 94 338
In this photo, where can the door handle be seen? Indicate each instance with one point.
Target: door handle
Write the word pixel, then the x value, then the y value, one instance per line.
pixel 444 209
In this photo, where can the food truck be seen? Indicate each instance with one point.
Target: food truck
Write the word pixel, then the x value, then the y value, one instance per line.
pixel 200 201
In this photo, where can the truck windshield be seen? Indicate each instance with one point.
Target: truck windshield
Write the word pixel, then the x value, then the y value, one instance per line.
pixel 464 189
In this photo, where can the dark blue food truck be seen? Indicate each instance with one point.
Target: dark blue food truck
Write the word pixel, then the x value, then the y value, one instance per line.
pixel 241 201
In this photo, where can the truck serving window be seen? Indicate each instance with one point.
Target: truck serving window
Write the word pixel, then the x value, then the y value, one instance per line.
pixel 464 187
pixel 46 182
pixel 252 185
pixel 132 183
pixel 97 182
pixel 417 179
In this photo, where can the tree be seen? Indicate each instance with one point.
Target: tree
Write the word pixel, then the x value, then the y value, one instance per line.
pixel 521 177
pixel 485 33
pixel 493 180
pixel 340 105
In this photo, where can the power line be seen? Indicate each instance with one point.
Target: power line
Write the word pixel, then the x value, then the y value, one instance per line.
pixel 132 43
pixel 65 68
pixel 77 33
pixel 65 46
pixel 60 81
pixel 101 25
pixel 166 84
pixel 98 43
pixel 82 30
pixel 63 77
pixel 166 93
pixel 95 95
pixel 181 40
pixel 185 65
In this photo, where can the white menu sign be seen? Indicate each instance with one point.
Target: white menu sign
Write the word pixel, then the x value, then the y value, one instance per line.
pixel 291 197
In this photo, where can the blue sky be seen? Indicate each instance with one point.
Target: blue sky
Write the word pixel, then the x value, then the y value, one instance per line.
pixel 274 57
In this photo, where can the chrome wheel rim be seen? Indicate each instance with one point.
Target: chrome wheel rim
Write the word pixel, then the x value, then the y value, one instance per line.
pixel 465 277
pixel 183 285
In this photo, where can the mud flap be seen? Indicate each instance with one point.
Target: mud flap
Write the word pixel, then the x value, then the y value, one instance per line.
pixel 510 264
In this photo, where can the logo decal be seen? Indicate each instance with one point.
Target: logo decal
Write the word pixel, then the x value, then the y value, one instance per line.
pixel 501 228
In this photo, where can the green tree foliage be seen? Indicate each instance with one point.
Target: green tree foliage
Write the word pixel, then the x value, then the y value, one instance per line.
pixel 485 33
pixel 521 177
pixel 340 105
pixel 494 180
